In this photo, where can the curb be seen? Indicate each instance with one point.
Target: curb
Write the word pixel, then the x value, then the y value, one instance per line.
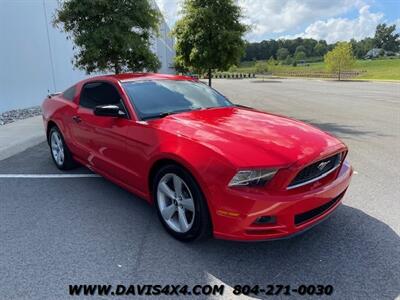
pixel 20 135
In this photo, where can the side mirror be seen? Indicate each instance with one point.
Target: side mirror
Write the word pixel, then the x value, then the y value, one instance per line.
pixel 109 111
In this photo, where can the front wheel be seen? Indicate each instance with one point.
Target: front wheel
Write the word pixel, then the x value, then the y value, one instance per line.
pixel 180 204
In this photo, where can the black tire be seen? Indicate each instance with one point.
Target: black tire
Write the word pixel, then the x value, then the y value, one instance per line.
pixel 68 162
pixel 202 227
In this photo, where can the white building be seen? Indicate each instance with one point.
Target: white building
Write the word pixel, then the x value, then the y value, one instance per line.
pixel 163 45
pixel 36 58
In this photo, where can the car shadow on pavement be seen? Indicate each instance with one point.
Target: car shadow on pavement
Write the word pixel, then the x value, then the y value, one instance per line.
pixel 355 253
pixel 35 160
pixel 342 130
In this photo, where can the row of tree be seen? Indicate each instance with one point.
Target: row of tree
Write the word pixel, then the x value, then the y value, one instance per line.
pixel 338 60
pixel 115 35
pixel 385 38
pixel 281 49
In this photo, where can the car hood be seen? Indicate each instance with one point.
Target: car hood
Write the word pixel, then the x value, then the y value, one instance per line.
pixel 252 138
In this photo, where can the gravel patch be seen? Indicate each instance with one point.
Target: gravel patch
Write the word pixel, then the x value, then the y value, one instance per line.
pixel 19 114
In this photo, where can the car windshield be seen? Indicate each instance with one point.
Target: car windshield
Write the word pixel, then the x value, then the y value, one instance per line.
pixel 159 98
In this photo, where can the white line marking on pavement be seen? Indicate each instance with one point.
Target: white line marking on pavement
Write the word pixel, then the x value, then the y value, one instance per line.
pixel 48 175
pixel 355 172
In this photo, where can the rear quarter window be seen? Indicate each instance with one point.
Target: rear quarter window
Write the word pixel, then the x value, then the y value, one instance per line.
pixel 69 94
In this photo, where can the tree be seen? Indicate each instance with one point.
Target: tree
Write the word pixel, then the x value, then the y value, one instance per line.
pixel 110 35
pixel 180 68
pixel 309 45
pixel 340 58
pixel 360 48
pixel 321 48
pixel 233 69
pixel 300 55
pixel 357 49
pixel 261 68
pixel 282 53
pixel 288 60
pixel 271 61
pixel 209 35
pixel 300 48
pixel 386 38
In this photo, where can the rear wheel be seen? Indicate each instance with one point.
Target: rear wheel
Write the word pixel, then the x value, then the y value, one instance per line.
pixel 180 204
pixel 60 153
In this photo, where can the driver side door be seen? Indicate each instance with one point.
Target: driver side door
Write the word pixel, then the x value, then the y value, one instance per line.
pixel 103 138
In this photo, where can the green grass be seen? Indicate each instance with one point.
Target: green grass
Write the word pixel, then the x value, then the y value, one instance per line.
pixel 388 69
pixel 379 69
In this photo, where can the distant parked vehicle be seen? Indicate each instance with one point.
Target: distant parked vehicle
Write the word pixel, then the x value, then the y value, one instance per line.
pixel 378 52
pixel 374 53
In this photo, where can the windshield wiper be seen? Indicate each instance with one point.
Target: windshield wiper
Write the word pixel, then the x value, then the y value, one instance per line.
pixel 168 113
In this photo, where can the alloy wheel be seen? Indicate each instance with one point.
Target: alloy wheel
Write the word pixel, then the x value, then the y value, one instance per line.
pixel 57 148
pixel 176 203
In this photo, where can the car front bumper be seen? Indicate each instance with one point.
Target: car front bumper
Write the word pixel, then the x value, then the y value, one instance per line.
pixel 294 212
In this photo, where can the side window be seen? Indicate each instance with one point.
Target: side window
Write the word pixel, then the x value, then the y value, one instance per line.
pixel 69 94
pixel 99 93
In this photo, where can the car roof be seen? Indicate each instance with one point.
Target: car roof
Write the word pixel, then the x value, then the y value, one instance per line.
pixel 125 77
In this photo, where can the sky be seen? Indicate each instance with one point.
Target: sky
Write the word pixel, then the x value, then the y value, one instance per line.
pixel 331 20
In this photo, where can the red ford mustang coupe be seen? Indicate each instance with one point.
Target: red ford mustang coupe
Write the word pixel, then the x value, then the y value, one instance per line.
pixel 209 166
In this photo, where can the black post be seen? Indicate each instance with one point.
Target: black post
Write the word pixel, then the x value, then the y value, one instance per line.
pixel 117 69
pixel 209 77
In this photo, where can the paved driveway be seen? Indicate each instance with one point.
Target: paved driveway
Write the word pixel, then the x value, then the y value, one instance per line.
pixel 60 231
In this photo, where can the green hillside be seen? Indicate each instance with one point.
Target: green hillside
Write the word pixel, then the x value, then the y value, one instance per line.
pixel 380 69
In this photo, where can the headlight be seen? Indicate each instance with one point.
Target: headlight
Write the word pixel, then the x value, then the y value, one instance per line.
pixel 252 177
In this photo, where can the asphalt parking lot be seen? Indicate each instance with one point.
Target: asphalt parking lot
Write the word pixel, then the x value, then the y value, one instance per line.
pixel 60 231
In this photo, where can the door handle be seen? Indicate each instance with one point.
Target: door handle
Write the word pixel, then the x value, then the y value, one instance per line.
pixel 77 119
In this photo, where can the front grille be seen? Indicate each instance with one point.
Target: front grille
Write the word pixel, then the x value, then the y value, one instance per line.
pixel 316 171
pixel 311 214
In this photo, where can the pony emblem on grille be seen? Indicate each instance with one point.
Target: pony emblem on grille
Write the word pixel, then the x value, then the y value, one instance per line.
pixel 323 164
